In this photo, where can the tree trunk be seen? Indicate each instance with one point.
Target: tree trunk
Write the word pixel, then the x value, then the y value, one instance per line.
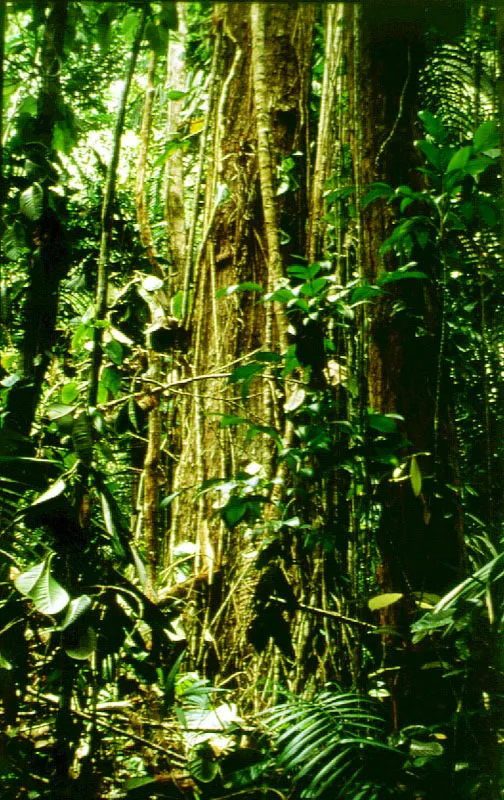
pixel 261 45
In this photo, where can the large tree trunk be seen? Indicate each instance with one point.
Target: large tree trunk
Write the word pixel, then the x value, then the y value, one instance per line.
pixel 263 48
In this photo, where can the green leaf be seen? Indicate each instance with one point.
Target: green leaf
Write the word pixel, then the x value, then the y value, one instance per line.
pixel 415 477
pixel 382 423
pixel 175 94
pixel 433 126
pixel 430 151
pixel 488 212
pixel 486 136
pixel 366 292
pixel 245 371
pixel 39 586
pixel 76 608
pixel 14 241
pixel 129 26
pixel 376 191
pixel 69 393
pixel 115 352
pixel 82 645
pixel 234 511
pixel 459 159
pixel 203 764
pixel 268 357
pixel 229 419
pixel 111 379
pixel 400 274
pixel 384 600
pixel 31 202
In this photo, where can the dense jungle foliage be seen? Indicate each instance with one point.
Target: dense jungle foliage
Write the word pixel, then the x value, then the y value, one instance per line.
pixel 251 400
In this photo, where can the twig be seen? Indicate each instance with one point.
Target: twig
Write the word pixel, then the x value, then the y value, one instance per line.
pixel 178 760
pixel 331 614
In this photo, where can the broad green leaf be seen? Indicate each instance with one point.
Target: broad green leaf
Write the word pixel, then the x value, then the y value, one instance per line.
pixel 433 126
pixel 111 379
pixel 459 159
pixel 382 423
pixel 129 26
pixel 384 600
pixel 69 393
pixel 430 151
pixel 478 165
pixel 39 586
pixel 415 476
pixel 75 609
pixel 115 352
pixel 61 414
pixel 426 599
pixel 486 136
pixel 83 645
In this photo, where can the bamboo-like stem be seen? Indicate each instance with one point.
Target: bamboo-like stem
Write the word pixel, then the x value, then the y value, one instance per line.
pixel 325 144
pixel 265 159
pixel 188 267
pixel 174 168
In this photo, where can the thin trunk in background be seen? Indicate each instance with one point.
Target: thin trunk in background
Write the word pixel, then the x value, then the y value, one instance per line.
pixel 107 217
pixel 49 260
pixel 174 170
pixel 150 483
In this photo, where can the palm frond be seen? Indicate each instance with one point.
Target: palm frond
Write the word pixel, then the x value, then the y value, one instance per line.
pixel 332 743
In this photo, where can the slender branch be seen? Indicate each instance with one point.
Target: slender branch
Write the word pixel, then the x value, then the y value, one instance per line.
pixel 177 760
pixel 329 614
pixel 107 215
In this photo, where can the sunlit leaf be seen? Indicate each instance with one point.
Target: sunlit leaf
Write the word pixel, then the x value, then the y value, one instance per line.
pixel 54 491
pixel 39 586
pixel 486 136
pixel 459 159
pixel 76 608
pixel 384 600
pixel 69 393
pixel 415 477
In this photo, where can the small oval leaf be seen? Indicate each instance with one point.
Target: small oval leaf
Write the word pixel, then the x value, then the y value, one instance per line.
pixel 296 400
